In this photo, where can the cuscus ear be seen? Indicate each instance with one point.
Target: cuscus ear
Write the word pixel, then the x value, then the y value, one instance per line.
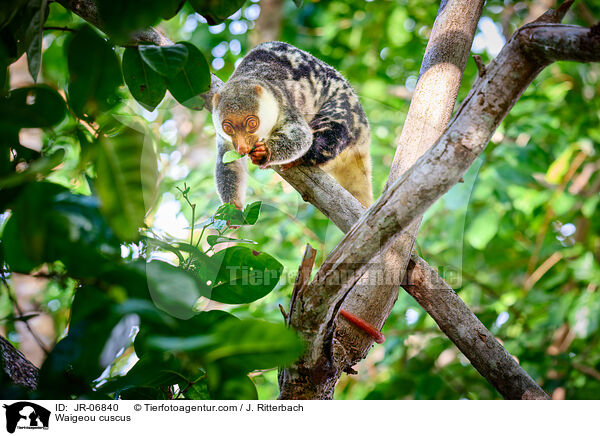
pixel 258 89
pixel 215 99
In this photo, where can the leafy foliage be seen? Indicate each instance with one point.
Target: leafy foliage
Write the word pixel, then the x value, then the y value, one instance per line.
pixel 74 209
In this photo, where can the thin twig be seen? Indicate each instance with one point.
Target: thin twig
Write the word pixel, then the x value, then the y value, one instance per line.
pixel 480 65
pixel 63 29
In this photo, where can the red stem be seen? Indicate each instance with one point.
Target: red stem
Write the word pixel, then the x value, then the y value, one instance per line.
pixel 364 326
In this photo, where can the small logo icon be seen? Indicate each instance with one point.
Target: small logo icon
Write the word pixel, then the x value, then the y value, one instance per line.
pixel 26 415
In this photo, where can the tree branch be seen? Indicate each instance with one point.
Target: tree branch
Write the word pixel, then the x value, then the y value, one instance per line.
pixel 20 370
pixel 424 284
pixel 374 289
pixel 562 42
pixel 88 10
pixel 471 337
pixel 443 165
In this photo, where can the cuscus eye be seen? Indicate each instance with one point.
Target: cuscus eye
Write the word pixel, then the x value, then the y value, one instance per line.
pixel 228 128
pixel 251 123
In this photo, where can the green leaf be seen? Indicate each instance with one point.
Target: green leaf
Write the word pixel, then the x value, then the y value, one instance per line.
pixel 235 217
pixel 49 223
pixel 178 335
pixel 216 11
pixel 94 73
pixel 172 289
pixel 126 183
pixel 231 156
pixel 32 106
pixel 559 167
pixel 146 85
pixel 215 239
pixel 193 79
pixel 166 60
pixel 298 3
pixel 249 345
pixel 252 212
pixel 244 275
pixel 22 27
pixel 34 34
pixel 196 391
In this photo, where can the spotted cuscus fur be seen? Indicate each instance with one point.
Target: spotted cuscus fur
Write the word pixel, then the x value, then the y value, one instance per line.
pixel 318 118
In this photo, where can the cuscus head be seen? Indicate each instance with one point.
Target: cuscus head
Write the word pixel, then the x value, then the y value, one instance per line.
pixel 245 112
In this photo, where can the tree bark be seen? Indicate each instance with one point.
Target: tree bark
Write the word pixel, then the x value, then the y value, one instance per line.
pixel 20 370
pixel 375 290
pixel 430 110
pixel 426 286
pixel 268 25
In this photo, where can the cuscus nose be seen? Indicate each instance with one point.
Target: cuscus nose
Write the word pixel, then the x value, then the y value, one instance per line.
pixel 243 148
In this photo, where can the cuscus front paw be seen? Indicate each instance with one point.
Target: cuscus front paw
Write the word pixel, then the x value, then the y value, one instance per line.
pixel 260 154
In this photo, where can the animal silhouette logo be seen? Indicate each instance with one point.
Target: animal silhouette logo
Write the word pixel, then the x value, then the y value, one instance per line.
pixel 26 415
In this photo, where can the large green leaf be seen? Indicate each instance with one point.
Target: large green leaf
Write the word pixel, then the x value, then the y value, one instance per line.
pixel 126 183
pixel 146 85
pixel 166 60
pixel 178 335
pixel 172 289
pixel 34 34
pixel 32 106
pixel 242 275
pixel 248 345
pixel 94 73
pixel 216 11
pixel 49 223
pixel 192 80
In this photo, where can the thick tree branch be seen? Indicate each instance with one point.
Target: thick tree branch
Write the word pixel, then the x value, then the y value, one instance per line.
pixel 471 337
pixel 20 370
pixel 374 290
pixel 433 175
pixel 424 284
pixel 562 42
pixel 88 10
